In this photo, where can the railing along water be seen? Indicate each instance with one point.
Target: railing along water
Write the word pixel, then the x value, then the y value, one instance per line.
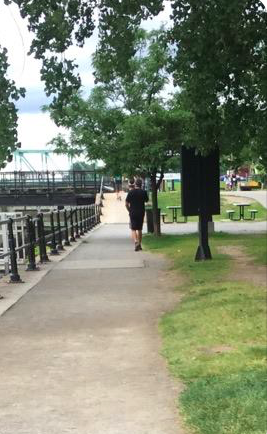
pixel 46 230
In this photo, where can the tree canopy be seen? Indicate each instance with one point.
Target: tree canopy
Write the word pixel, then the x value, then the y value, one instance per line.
pixel 133 126
pixel 218 57
pixel 8 112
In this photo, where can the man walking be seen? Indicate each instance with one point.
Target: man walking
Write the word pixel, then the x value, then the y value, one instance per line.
pixel 135 204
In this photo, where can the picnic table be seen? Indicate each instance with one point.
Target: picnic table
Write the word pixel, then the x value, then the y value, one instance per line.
pixel 242 210
pixel 175 209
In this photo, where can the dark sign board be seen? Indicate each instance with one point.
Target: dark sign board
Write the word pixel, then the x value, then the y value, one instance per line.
pixel 200 183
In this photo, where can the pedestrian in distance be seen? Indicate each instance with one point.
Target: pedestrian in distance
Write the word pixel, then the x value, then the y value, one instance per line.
pixel 135 204
pixel 131 184
pixel 118 186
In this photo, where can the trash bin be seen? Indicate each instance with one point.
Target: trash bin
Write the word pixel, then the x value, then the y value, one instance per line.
pixel 149 220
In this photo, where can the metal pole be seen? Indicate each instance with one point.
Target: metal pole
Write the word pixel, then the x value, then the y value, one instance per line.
pixel 203 251
pixel 31 250
pixel 54 250
pixel 87 219
pixel 81 221
pixel 59 235
pixel 92 216
pixel 66 242
pixel 84 220
pixel 77 235
pixel 45 257
pixel 42 251
pixel 72 237
pixel 14 275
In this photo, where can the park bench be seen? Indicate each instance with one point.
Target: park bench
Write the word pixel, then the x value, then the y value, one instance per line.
pixel 253 213
pixel 230 213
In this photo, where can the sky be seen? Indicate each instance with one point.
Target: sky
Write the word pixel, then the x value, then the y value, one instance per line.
pixel 35 128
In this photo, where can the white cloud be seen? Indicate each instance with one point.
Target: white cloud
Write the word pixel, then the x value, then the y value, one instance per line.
pixel 35 130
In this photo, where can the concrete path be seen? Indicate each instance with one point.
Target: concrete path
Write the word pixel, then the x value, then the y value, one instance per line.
pixel 114 211
pixel 80 351
pixel 258 195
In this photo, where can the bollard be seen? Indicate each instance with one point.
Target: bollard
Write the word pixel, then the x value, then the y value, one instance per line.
pixel 31 249
pixel 59 235
pixel 41 239
pixel 77 235
pixel 14 275
pixel 81 221
pixel 66 241
pixel 72 237
pixel 54 250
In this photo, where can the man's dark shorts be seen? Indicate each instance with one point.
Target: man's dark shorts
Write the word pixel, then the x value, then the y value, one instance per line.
pixel 136 221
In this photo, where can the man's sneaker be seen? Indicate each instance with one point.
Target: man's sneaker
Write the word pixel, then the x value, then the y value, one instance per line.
pixel 137 248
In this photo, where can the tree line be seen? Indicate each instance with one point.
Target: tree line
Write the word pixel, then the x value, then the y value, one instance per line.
pixel 214 53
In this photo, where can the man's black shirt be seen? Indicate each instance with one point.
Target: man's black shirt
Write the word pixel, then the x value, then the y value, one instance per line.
pixel 137 198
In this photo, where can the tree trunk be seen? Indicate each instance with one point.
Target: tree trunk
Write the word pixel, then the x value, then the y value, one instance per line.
pixel 156 217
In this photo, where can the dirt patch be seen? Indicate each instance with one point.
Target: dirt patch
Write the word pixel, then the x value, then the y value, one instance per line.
pixel 237 199
pixel 216 350
pixel 244 268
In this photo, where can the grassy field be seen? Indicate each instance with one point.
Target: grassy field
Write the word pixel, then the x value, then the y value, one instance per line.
pixel 174 198
pixel 215 339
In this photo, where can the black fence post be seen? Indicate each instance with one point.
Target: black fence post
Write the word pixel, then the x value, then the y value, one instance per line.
pixel 95 216
pixel 81 221
pixel 72 237
pixel 84 220
pixel 14 275
pixel 77 235
pixel 31 240
pixel 92 215
pixel 87 218
pixel 98 213
pixel 59 235
pixel 66 241
pixel 41 239
pixel 54 250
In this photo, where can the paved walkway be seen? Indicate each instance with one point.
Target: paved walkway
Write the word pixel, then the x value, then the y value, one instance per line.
pixel 114 211
pixel 80 351
pixel 258 195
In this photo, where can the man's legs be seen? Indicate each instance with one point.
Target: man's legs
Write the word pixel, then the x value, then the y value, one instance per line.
pixel 134 236
pixel 139 236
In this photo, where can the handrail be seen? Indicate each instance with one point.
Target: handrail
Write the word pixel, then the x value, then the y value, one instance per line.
pixel 38 235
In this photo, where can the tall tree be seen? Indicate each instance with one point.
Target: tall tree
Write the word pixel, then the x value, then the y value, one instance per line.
pixel 134 132
pixel 220 61
pixel 8 112
pixel 220 56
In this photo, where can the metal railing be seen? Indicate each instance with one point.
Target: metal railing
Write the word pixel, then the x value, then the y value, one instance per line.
pixel 54 230
pixel 49 181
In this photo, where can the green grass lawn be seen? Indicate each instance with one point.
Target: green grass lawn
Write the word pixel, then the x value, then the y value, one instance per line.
pixel 215 339
pixel 174 198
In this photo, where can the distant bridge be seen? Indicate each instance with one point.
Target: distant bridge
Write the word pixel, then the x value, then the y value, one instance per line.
pixel 48 188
